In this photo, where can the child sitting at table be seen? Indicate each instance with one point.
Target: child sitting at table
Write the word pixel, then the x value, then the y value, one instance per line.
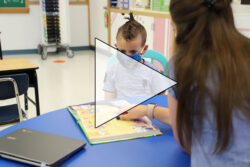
pixel 122 82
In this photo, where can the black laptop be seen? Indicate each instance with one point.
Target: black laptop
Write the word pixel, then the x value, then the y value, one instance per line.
pixel 38 148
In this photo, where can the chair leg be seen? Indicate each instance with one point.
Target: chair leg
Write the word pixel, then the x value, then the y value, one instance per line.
pixel 17 100
pixel 36 94
pixel 26 101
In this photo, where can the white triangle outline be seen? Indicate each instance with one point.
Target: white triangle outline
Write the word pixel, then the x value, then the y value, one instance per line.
pixel 165 77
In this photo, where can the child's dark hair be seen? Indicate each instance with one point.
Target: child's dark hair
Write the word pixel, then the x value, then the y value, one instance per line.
pixel 131 29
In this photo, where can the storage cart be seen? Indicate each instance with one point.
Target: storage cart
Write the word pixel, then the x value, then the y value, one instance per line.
pixel 51 29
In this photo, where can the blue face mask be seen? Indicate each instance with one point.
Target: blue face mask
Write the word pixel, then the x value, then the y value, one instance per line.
pixel 127 62
pixel 137 57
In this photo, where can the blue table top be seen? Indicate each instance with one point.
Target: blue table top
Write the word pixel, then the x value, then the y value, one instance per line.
pixel 157 151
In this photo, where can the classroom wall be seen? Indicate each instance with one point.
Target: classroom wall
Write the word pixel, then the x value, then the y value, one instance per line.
pixel 242 18
pixel 79 25
pixel 23 31
pixel 97 20
pixel 20 31
pixel 159 30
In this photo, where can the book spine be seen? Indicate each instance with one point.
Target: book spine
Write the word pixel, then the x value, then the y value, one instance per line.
pixel 79 123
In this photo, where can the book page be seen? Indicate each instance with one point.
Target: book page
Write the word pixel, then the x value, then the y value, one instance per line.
pixel 86 116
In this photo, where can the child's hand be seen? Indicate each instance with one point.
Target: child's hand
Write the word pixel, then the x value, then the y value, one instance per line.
pixel 135 113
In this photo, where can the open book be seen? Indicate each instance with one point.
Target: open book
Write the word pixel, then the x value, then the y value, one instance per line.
pixel 114 130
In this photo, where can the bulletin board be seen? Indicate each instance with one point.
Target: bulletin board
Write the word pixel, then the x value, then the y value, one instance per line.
pixel 14 6
pixel 12 3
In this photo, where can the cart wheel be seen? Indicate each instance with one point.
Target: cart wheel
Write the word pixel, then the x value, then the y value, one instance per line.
pixel 44 53
pixel 39 49
pixel 70 53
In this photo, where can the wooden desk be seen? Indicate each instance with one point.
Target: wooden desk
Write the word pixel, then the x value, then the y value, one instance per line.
pixel 20 65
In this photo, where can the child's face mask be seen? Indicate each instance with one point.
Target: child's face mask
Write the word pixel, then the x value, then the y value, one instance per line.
pixel 137 57
pixel 129 63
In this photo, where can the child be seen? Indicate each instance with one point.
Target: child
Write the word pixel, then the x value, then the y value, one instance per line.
pixel 122 82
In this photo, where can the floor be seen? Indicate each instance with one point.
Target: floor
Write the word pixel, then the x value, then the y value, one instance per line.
pixel 60 84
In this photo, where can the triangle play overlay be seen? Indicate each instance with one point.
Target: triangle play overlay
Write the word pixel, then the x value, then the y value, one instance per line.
pixel 126 80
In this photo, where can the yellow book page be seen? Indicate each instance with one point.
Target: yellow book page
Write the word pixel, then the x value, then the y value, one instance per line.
pixel 112 128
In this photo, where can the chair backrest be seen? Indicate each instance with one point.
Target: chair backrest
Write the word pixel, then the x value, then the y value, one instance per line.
pixel 155 55
pixel 7 89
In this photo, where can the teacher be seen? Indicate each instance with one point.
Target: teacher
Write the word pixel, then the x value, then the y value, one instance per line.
pixel 209 109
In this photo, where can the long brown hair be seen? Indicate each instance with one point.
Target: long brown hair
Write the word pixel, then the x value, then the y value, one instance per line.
pixel 209 47
pixel 131 29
